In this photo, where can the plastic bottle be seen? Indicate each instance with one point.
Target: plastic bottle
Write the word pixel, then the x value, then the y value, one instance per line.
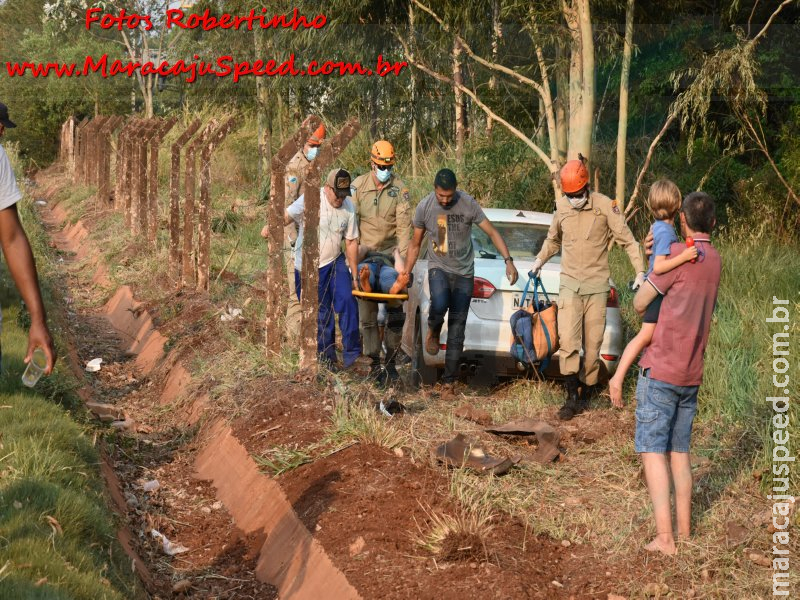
pixel 690 244
pixel 36 367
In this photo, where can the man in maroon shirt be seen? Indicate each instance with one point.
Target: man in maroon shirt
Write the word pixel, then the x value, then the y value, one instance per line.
pixel 671 370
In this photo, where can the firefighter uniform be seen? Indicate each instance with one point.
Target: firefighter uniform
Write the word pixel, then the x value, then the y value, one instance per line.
pixel 295 178
pixel 384 222
pixel 583 236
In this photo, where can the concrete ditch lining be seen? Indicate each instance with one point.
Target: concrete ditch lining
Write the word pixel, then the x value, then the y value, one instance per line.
pixel 290 558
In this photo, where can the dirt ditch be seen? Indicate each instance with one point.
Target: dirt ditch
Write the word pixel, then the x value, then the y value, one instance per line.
pixel 344 525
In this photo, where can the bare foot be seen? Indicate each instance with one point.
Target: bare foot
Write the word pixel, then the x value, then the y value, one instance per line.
pixel 664 543
pixel 615 390
pixel 400 284
pixel 363 278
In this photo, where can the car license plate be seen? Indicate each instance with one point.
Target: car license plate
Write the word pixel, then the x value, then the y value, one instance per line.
pixel 517 302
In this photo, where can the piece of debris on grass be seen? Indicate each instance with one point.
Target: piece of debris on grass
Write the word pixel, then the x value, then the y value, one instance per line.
pixel 123 425
pixel 736 534
pixel 184 585
pixel 462 452
pixel 55 525
pixel 462 547
pixel 94 365
pixel 106 412
pixel 759 559
pixel 151 486
pixel 357 547
pixel 701 466
pixel 169 548
pixel 547 436
pixel 470 413
pixel 656 590
pixel 231 314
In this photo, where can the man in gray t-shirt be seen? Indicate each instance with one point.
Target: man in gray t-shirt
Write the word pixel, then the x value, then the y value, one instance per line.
pixel 447 216
pixel 449 231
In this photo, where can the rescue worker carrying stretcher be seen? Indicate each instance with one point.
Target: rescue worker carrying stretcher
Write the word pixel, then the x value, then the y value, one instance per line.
pixel 383 207
pixel 583 224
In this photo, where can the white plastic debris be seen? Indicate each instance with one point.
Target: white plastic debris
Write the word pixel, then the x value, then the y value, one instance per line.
pixel 93 366
pixel 151 486
pixel 40 203
pixel 169 548
pixel 231 314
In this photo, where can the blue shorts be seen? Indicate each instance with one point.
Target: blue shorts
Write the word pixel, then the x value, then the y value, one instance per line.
pixel 664 415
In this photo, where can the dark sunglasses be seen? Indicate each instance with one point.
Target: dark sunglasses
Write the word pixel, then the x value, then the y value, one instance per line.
pixel 384 167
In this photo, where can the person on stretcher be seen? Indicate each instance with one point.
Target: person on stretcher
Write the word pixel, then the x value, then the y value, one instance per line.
pixel 377 273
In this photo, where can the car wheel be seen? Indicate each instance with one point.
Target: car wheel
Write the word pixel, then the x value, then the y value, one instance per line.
pixel 421 374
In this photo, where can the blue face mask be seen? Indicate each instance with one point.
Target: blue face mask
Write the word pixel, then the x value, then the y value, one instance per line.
pixel 383 175
pixel 312 152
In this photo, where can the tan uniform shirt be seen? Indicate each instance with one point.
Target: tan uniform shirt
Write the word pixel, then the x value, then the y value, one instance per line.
pixel 583 237
pixel 384 215
pixel 294 188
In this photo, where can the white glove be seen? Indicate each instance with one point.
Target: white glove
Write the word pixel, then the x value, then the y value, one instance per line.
pixel 535 269
pixel 637 283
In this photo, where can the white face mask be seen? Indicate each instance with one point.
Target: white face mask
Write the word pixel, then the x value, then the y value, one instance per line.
pixel 383 175
pixel 578 202
pixel 312 152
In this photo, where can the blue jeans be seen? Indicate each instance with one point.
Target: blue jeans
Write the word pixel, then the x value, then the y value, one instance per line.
pixel 664 415
pixel 451 294
pixel 335 295
pixel 381 277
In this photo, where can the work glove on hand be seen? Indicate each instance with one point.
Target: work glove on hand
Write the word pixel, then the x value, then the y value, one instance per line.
pixel 637 283
pixel 535 269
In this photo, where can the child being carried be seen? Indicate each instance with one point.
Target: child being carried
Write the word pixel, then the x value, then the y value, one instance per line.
pixel 377 272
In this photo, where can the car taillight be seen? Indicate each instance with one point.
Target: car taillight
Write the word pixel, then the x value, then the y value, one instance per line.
pixel 613 299
pixel 482 288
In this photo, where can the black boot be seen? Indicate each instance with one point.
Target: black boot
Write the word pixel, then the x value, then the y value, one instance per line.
pixel 377 374
pixel 391 373
pixel 588 392
pixel 572 405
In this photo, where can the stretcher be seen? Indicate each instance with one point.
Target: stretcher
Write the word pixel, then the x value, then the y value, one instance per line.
pixel 378 297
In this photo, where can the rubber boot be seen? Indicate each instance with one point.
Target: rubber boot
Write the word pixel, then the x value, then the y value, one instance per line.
pixel 377 373
pixel 587 393
pixel 572 405
pixel 391 372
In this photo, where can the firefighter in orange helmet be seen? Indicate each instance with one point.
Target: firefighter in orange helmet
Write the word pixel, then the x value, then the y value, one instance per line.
pixel 584 223
pixel 294 188
pixel 383 207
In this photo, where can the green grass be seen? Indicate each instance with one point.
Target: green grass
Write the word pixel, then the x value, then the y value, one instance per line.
pixel 57 536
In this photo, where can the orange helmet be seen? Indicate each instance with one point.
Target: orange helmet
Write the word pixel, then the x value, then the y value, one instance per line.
pixel 574 176
pixel 317 137
pixel 382 153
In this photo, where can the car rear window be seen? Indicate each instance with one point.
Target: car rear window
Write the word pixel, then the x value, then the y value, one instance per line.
pixel 523 240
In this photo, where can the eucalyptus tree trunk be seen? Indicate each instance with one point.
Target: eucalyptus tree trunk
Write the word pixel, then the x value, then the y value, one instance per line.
pixel 622 128
pixel 497 32
pixel 458 96
pixel 264 116
pixel 581 79
pixel 413 94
